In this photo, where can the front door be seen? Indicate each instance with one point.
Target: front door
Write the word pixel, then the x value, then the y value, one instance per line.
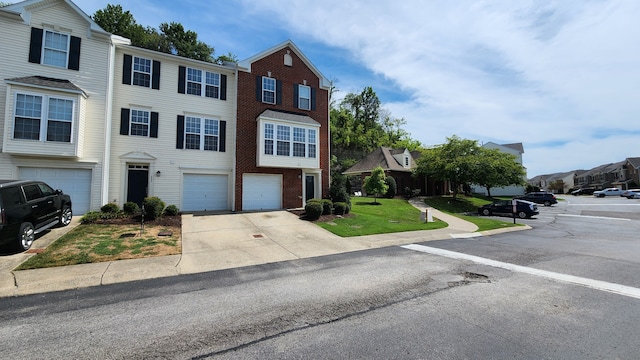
pixel 138 183
pixel 310 187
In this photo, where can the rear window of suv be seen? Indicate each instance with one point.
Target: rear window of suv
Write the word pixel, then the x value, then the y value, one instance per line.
pixel 11 196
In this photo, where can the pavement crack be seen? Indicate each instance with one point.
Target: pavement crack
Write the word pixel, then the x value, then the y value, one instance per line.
pixel 105 272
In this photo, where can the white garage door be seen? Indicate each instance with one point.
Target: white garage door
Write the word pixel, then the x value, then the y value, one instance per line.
pixel 203 192
pixel 75 182
pixel 261 192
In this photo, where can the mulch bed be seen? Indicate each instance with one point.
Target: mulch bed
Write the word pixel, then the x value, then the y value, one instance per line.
pixel 323 218
pixel 129 220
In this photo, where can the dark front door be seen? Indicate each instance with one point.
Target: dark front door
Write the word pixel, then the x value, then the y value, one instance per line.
pixel 310 188
pixel 137 185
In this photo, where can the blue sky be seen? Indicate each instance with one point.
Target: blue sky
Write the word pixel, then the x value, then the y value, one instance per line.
pixel 561 77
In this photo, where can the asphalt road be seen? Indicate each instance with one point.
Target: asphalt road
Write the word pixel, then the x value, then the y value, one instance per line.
pixel 380 304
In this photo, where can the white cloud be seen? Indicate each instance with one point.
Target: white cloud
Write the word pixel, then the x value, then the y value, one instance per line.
pixel 527 71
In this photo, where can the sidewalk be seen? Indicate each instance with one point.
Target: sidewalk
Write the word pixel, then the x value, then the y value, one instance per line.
pixel 219 242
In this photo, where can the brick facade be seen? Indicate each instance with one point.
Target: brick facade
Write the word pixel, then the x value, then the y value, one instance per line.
pixel 249 109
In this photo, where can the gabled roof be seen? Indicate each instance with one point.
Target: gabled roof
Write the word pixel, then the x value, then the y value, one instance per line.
pixel 382 157
pixel 634 161
pixel 24 8
pixel 245 65
pixel 516 146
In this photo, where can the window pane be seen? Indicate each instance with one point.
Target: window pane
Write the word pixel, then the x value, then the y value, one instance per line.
pixel 312 151
pixel 139 122
pixel 59 131
pixel 28 115
pixel 211 143
pixel 283 132
pixel 194 81
pixel 304 97
pixel 268 131
pixel 27 129
pixel 141 72
pixel 298 149
pixel 192 141
pixel 268 147
pixel 55 49
pixel 283 148
pixel 268 90
pixel 298 135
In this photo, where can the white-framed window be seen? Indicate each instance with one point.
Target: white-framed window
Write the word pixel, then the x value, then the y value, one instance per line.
pixel 292 141
pixel 201 133
pixel 268 90
pixel 196 82
pixel 299 142
pixel 141 71
pixel 268 139
pixel 283 143
pixel 43 117
pixel 140 121
pixel 56 49
pixel 304 97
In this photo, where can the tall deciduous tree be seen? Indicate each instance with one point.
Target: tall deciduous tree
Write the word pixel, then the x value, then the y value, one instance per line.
pixel 495 168
pixel 455 161
pixel 172 38
pixel 375 184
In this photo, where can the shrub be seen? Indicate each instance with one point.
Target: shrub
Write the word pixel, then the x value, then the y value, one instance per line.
pixel 153 207
pixel 338 190
pixel 327 207
pixel 313 210
pixel 340 208
pixel 110 208
pixel 131 208
pixel 315 200
pixel 392 189
pixel 171 210
pixel 90 217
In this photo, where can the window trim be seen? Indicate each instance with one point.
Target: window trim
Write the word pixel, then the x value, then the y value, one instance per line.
pixel 266 79
pixel 66 51
pixel 310 140
pixel 202 133
pixel 44 116
pixel 301 98
pixel 146 126
pixel 134 71
pixel 203 83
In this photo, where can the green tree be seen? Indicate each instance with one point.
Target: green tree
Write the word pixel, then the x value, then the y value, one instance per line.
pixel 454 161
pixel 185 43
pixel 375 184
pixel 172 38
pixel 495 168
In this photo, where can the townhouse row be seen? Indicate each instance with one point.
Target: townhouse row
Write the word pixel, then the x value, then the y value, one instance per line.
pixel 105 121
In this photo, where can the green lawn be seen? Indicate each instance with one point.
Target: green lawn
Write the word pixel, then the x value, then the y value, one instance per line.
pixel 466 208
pixel 388 216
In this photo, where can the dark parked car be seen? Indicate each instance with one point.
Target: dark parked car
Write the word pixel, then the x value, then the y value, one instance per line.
pixel 524 208
pixel 540 197
pixel 28 208
pixel 583 191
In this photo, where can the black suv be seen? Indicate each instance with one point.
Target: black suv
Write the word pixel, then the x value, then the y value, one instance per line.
pixel 540 197
pixel 30 207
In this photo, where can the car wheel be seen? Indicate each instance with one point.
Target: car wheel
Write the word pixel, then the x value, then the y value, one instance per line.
pixel 522 214
pixel 26 236
pixel 547 203
pixel 486 212
pixel 600 195
pixel 65 216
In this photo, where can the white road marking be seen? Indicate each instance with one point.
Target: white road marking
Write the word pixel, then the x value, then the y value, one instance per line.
pixel 466 235
pixel 594 217
pixel 589 283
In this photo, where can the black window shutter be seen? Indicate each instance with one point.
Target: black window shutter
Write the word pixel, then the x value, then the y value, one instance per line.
pixel 278 92
pixel 126 69
pixel 182 78
pixel 222 136
pixel 259 88
pixel 155 80
pixel 35 50
pixel 180 133
pixel 223 87
pixel 295 95
pixel 74 53
pixel 313 98
pixel 124 121
pixel 153 131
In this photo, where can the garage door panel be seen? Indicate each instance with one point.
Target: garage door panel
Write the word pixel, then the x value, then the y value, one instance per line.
pixel 203 192
pixel 261 192
pixel 74 182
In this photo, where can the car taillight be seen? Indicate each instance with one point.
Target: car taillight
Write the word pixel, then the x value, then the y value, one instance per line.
pixel 3 218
